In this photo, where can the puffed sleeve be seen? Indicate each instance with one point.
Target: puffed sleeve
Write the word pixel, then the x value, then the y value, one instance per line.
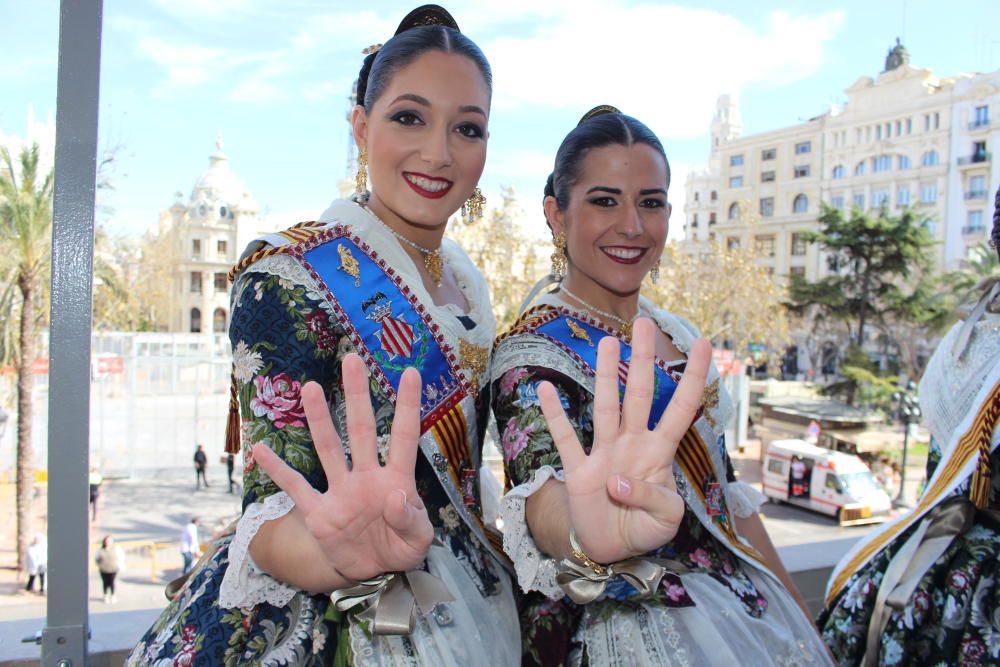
pixel 283 335
pixel 531 459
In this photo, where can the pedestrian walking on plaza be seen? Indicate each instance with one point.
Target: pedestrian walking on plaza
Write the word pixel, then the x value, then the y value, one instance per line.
pixel 110 560
pixel 230 467
pixel 200 463
pixel 95 480
pixel 37 563
pixel 190 545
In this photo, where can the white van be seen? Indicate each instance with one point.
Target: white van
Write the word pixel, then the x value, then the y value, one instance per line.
pixel 823 480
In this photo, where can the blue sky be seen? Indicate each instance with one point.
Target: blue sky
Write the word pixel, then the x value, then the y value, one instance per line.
pixel 273 76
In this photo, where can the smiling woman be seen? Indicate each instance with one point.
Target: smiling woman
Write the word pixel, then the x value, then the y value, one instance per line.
pixel 362 539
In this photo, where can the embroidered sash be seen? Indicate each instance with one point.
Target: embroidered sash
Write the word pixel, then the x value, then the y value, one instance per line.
pixel 577 336
pixel 392 331
pixel 967 456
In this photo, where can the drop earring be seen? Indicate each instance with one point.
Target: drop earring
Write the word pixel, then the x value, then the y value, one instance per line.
pixel 361 178
pixel 472 209
pixel 559 260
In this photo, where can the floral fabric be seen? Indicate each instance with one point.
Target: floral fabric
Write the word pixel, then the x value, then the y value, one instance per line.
pixel 283 336
pixel 953 616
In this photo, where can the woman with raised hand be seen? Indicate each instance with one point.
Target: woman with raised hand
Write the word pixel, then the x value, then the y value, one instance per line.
pixel 631 538
pixel 924 588
pixel 360 344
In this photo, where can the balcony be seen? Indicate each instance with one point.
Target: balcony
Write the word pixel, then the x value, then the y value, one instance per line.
pixel 975 194
pixel 979 124
pixel 975 158
pixel 970 230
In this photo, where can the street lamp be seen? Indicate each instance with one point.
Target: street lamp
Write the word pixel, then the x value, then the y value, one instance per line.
pixel 908 411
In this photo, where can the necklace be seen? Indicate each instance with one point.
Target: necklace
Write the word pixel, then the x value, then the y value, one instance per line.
pixel 433 261
pixel 624 326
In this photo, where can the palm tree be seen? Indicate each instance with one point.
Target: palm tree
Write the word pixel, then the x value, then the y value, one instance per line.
pixel 25 233
pixel 981 265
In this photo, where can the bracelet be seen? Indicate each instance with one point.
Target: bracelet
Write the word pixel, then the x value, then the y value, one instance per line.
pixel 582 558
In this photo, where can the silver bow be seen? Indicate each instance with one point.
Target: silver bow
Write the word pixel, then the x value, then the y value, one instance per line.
pixel 391 600
pixel 584 584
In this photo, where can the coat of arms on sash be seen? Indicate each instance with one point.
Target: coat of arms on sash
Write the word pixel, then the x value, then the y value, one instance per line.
pixel 396 336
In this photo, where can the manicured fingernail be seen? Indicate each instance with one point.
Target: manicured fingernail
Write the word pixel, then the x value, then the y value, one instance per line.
pixel 623 486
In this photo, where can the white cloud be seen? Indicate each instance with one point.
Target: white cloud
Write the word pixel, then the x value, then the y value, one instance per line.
pixel 663 64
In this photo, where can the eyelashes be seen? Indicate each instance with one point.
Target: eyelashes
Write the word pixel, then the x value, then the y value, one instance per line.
pixel 609 202
pixel 412 119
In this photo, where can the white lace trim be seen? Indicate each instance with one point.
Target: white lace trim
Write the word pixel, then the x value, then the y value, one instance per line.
pixel 535 570
pixel 745 499
pixel 244 584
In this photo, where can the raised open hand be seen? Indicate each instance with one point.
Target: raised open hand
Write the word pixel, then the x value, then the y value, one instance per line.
pixel 371 519
pixel 622 498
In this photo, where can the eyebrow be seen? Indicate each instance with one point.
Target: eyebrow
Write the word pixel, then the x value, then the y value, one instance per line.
pixel 604 188
pixel 472 108
pixel 653 191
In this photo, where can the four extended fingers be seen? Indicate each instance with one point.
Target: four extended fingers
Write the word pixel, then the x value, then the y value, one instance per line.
pixel 360 417
pixel 324 435
pixel 405 435
pixel 684 404
pixel 607 409
pixel 640 383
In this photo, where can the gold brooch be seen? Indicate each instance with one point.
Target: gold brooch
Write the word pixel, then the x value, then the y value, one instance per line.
pixel 710 401
pixel 473 358
pixel 579 332
pixel 368 50
pixel 349 265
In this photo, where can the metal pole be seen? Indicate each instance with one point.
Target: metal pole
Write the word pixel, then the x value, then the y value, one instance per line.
pixel 901 496
pixel 64 639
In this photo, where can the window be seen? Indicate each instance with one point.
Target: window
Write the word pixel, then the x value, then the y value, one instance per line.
pixel 837 201
pixel 222 212
pixel 878 132
pixel 937 120
pixel 930 158
pixel 927 122
pixel 803 147
pixel 928 193
pixel 800 204
pixel 903 197
pixel 220 248
pixel 903 162
pixel 196 282
pixel 764 244
pixel 714 196
pixel 733 243
pixel 220 283
pixel 859 201
pixel 734 211
pixel 909 125
pixel 766 176
pixel 768 154
pixel 196 248
pixel 977 188
pixel 838 172
pixel 979 151
pixel 799 271
pixel 696 196
pixel 736 160
pixel 798 244
pixel 881 163
pixel 776 466
pixel 195 320
pixel 832 483
pixel 767 206
pixel 219 321
pixel 736 182
pixel 802 171
pixel 859 170
pixel 981 116
pixel 899 127
pixel 880 198
pixel 975 222
pixel 711 219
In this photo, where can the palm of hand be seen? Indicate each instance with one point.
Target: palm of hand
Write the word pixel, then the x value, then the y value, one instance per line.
pixel 623 501
pixel 371 519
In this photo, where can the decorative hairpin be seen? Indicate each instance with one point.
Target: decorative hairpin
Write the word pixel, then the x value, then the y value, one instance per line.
pixel 598 111
pixel 371 49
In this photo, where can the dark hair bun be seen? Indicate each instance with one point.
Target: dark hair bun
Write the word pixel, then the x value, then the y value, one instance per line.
pixel 599 110
pixel 550 190
pixel 427 15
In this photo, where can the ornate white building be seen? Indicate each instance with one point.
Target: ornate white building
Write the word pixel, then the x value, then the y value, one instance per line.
pixel 207 235
pixel 904 138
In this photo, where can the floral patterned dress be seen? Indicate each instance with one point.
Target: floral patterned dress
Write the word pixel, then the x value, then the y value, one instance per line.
pixel 952 616
pixel 712 607
pixel 285 333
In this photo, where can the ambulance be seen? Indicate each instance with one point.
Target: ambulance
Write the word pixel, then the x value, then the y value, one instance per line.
pixel 823 480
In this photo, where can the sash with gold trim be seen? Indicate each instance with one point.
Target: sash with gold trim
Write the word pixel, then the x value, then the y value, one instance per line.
pixel 966 457
pixel 392 330
pixel 577 336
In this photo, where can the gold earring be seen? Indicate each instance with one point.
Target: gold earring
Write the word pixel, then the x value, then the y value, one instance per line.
pixel 559 259
pixel 654 275
pixel 361 178
pixel 472 209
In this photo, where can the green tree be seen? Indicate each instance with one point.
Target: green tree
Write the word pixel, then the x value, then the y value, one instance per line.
pixel 25 230
pixel 880 278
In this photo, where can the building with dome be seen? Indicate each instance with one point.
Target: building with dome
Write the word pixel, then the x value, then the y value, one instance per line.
pixel 202 239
